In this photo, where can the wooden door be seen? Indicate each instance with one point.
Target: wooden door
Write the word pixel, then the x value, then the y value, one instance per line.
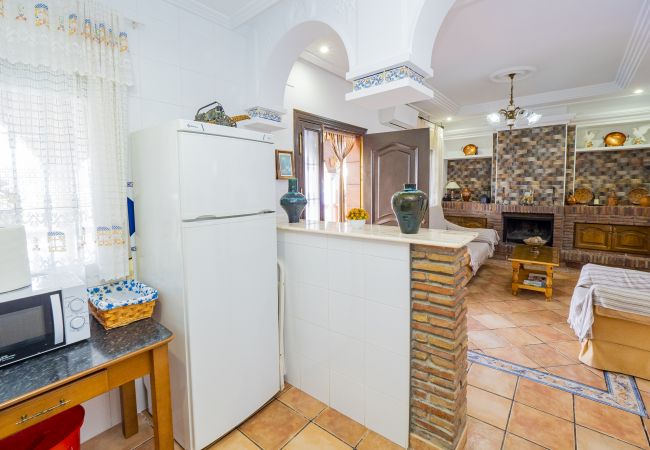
pixel 390 160
pixel 592 236
pixel 631 239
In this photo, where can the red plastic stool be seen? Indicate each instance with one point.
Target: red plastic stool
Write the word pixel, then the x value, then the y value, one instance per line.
pixel 61 432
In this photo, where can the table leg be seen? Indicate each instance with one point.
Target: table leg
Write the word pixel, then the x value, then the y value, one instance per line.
pixel 515 277
pixel 161 399
pixel 549 283
pixel 129 409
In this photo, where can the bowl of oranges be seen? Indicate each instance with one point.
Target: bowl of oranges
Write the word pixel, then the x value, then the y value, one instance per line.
pixel 357 217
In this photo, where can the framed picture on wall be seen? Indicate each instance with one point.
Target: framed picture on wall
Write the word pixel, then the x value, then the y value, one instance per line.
pixel 284 167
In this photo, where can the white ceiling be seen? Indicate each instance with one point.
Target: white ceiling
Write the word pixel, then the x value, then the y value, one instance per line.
pixel 229 13
pixel 578 48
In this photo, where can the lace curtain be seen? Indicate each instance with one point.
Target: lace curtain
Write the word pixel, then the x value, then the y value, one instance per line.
pixel 64 73
pixel 342 145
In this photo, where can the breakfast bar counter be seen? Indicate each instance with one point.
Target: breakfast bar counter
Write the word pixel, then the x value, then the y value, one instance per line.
pixel 375 326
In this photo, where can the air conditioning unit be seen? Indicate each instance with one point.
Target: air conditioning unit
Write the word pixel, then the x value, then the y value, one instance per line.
pixel 399 117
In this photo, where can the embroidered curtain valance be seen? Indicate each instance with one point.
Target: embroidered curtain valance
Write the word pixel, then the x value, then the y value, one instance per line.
pixel 71 36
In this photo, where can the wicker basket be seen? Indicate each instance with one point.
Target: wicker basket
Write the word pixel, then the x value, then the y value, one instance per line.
pixel 123 315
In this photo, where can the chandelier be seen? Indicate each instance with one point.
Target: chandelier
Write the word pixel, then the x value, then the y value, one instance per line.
pixel 511 114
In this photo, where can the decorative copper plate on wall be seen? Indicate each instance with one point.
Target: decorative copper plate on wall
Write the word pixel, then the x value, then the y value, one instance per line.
pixel 470 149
pixel 614 139
pixel 583 196
pixel 635 195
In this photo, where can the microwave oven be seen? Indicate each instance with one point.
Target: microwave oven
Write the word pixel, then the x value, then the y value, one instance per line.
pixel 50 313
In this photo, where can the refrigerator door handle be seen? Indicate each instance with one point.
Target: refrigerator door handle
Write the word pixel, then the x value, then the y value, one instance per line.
pixel 213 217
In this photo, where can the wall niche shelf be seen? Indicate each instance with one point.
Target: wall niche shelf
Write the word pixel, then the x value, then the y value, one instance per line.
pixel 613 149
pixel 459 158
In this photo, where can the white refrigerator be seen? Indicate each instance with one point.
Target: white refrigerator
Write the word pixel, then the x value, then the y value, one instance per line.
pixel 206 239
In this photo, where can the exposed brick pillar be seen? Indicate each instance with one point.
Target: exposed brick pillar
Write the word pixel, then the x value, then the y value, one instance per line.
pixel 438 400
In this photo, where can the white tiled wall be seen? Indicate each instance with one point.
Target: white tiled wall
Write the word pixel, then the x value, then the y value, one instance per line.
pixel 181 62
pixel 347 330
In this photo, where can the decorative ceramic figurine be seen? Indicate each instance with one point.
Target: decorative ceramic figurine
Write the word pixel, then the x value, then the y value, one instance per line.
pixel 612 199
pixel 409 205
pixel 466 194
pixel 639 134
pixel 589 139
pixel 293 202
pixel 571 199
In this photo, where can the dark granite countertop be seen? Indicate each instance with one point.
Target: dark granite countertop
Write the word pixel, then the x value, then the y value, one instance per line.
pixel 103 346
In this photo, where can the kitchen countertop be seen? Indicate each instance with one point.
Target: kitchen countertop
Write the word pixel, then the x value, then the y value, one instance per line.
pixel 103 347
pixel 426 236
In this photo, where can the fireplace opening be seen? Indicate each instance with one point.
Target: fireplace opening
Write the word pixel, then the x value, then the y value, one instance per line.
pixel 517 227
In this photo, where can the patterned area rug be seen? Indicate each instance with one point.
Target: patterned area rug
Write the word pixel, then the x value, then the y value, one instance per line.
pixel 621 393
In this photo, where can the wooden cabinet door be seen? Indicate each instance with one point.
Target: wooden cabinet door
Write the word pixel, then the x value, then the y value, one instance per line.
pixel 475 222
pixel 458 220
pixel 592 236
pixel 631 239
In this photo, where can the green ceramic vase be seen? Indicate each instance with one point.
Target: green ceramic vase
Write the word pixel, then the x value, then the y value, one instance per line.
pixel 410 205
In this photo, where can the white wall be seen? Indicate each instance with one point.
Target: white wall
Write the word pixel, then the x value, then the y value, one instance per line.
pixel 316 91
pixel 181 62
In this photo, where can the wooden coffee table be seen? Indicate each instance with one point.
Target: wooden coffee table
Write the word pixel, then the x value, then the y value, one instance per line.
pixel 547 258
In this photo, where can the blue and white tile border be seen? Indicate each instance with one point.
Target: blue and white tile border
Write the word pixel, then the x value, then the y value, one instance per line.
pixel 387 76
pixel 264 113
pixel 621 393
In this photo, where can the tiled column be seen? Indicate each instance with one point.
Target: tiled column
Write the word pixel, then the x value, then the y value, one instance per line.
pixel 438 399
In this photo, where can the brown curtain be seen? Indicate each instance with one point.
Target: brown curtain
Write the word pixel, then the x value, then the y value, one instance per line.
pixel 342 145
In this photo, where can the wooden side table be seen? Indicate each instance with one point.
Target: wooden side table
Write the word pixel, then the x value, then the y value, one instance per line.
pixel 546 257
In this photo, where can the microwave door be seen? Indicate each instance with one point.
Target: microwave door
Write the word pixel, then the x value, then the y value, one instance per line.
pixel 30 326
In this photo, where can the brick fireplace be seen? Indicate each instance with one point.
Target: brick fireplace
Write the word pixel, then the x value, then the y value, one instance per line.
pixel 520 226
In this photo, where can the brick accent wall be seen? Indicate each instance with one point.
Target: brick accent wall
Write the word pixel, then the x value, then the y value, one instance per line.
pixel 564 220
pixel 472 173
pixel 438 347
pixel 531 159
pixel 618 171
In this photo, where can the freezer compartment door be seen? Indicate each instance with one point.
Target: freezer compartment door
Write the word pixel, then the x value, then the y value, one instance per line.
pixel 232 305
pixel 223 176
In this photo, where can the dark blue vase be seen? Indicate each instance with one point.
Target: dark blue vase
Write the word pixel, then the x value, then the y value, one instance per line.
pixel 410 205
pixel 293 202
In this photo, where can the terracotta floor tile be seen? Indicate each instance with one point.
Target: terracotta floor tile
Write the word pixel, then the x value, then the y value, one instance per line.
pixel 474 309
pixel 523 319
pixel 235 440
pixel 474 325
pixel 546 333
pixel 570 349
pixel 481 436
pixel 541 428
pixel 642 384
pixel 150 445
pixel 512 354
pixel 494 321
pixel 492 380
pixel 545 398
pixel 273 426
pixel 488 407
pixel 513 306
pixel 579 373
pixel 512 442
pixel 587 439
pixel 341 426
pixel 545 355
pixel 645 396
pixel 471 345
pixel 487 339
pixel 518 336
pixel 303 403
pixel 613 422
pixel 313 437
pixel 112 439
pixel 287 386
pixel 566 329
pixel 373 441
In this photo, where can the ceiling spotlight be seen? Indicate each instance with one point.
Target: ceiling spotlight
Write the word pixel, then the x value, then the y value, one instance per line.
pixel 448 119
pixel 324 49
pixel 638 91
